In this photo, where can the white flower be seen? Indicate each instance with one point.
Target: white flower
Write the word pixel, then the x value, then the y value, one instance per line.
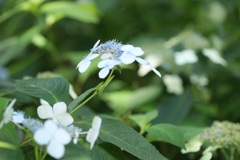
pixel 18 117
pixel 72 93
pixel 130 53
pixel 206 156
pixel 58 113
pixel 85 63
pixel 106 66
pixel 185 56
pixel 8 113
pixel 214 56
pixel 154 60
pixel 199 80
pixel 173 84
pixel 93 132
pixel 193 145
pixel 144 62
pixel 54 137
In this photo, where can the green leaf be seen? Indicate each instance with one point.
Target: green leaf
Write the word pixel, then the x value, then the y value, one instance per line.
pixel 127 139
pixel 143 120
pixel 82 11
pixel 175 108
pixel 51 90
pixel 17 44
pixel 76 101
pixel 190 132
pixel 125 100
pixel 106 151
pixel 166 133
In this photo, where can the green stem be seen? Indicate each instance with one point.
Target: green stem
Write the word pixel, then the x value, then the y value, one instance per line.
pixel 36 151
pixel 94 94
pixel 232 154
pixel 225 154
pixel 26 141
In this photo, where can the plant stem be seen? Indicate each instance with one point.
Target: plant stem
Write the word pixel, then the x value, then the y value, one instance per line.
pixel 225 153
pixel 97 90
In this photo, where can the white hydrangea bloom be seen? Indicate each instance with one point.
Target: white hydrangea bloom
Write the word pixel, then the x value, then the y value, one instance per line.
pixel 214 56
pixel 93 132
pixel 185 57
pixel 54 137
pixel 130 53
pixel 114 53
pixel 18 117
pixel 8 113
pixel 154 60
pixel 106 65
pixel 58 113
pixel 199 80
pixel 193 145
pixel 85 63
pixel 173 83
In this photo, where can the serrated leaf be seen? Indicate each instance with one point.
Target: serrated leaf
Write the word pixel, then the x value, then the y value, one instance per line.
pixel 127 139
pixel 76 101
pixel 82 11
pixel 51 90
pixel 166 133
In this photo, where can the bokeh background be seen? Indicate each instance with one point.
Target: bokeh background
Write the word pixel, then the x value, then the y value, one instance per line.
pixel 54 36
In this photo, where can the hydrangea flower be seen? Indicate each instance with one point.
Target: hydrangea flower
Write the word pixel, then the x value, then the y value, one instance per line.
pixel 173 83
pixel 58 112
pixel 8 113
pixel 32 124
pixel 113 53
pixel 193 145
pixel 93 132
pixel 54 137
pixel 214 56
pixel 185 57
pixel 85 63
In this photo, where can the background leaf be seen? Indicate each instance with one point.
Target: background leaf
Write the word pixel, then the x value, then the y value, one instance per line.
pixel 175 108
pixel 127 139
pixel 82 11
pixel 51 90
pixel 166 133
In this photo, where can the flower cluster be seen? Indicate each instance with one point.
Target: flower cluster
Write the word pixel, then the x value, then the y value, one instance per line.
pixel 112 54
pixel 57 131
pixel 221 135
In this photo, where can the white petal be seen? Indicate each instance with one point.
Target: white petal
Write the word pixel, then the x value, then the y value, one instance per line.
pixel 103 63
pixel 142 61
pixel 62 136
pixel 55 149
pixel 45 111
pixel 206 156
pixel 18 117
pixel 137 51
pixel 96 123
pixel 103 73
pixel 42 137
pixel 127 58
pixel 214 56
pixel 106 56
pixel 43 102
pixel 91 137
pixel 59 108
pixel 72 93
pixel 83 65
pixel 92 56
pixel 96 44
pixel 127 48
pixel 154 70
pixel 65 119
pixel 50 127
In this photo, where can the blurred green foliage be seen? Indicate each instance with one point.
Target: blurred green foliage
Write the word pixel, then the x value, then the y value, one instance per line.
pixel 41 35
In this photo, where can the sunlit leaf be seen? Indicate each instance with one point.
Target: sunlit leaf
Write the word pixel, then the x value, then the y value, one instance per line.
pixel 82 11
pixel 51 90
